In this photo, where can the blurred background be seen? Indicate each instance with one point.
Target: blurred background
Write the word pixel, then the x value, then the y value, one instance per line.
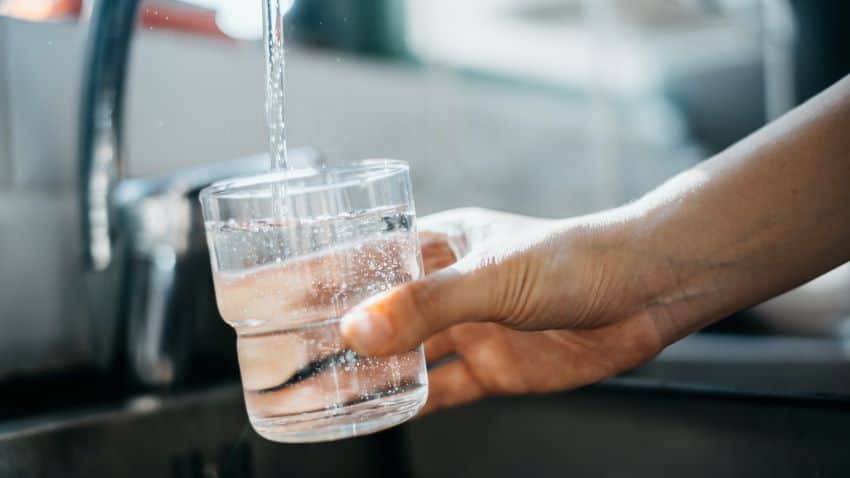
pixel 544 107
pixel 615 95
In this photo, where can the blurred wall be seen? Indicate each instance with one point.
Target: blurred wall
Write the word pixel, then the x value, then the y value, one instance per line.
pixel 5 146
pixel 5 126
pixel 42 313
pixel 472 140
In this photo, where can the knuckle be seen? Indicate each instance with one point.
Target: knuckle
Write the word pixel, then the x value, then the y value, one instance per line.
pixel 515 287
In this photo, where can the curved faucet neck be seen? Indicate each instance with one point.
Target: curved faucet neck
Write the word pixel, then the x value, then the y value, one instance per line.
pixel 100 162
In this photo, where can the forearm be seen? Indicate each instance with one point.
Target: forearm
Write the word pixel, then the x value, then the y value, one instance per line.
pixel 766 215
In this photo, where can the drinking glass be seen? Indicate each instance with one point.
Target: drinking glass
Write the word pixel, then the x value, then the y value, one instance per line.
pixel 291 253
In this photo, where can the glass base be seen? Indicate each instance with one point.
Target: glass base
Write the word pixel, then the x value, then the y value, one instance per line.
pixel 350 421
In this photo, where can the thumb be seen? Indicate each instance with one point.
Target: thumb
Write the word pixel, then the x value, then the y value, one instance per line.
pixel 404 317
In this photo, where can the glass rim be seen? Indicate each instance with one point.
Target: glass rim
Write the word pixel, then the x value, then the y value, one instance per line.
pixel 226 187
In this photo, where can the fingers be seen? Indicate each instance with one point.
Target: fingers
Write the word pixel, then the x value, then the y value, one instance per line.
pixel 451 385
pixel 404 317
pixel 438 347
pixel 436 252
pixel 448 230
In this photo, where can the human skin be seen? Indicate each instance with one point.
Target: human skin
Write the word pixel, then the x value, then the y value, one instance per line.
pixel 536 305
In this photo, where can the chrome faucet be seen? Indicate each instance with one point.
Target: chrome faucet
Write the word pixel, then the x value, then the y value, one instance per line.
pixel 145 258
pixel 100 124
pixel 100 165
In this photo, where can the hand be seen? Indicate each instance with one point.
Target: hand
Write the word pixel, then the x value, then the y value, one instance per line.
pixel 536 306
pixel 531 306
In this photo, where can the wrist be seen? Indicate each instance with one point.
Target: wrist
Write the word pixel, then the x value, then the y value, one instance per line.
pixel 677 279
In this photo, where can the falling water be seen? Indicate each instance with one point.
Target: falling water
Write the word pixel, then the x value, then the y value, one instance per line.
pixel 273 29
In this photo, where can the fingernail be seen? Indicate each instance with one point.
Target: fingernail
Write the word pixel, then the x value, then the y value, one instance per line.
pixel 365 331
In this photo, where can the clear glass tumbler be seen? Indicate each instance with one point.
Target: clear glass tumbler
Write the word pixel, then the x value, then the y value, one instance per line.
pixel 291 253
